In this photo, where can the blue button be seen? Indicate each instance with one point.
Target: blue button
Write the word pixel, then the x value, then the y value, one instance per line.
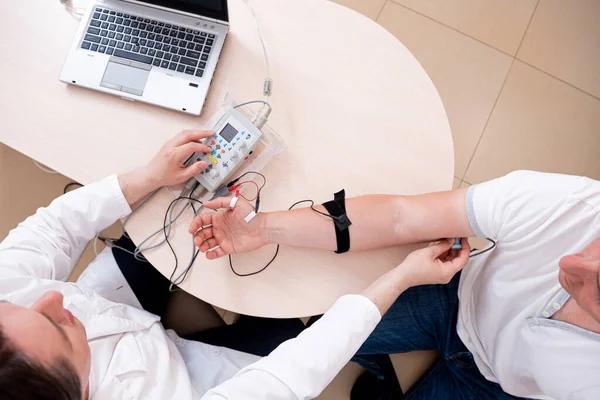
pixel 232 144
pixel 248 137
pixel 229 148
pixel 243 132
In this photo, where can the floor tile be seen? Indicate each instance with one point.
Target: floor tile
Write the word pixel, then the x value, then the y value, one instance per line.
pixel 468 74
pixel 220 311
pixel 500 24
pixel 456 183
pixel 369 8
pixel 411 366
pixel 24 188
pixel 564 40
pixel 27 188
pixel 340 387
pixel 229 317
pixel 540 124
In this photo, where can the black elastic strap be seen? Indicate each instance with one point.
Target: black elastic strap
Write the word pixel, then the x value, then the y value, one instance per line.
pixel 337 210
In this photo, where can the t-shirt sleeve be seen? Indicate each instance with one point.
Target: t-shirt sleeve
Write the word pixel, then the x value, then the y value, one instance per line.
pixel 515 205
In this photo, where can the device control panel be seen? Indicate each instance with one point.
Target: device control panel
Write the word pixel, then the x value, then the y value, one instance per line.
pixel 235 137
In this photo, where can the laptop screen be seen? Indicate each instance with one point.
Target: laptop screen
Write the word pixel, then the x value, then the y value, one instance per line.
pixel 216 9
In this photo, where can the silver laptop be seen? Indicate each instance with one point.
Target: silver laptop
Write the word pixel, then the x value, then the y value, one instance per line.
pixel 162 52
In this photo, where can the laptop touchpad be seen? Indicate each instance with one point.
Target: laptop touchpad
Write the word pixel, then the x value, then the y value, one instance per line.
pixel 126 76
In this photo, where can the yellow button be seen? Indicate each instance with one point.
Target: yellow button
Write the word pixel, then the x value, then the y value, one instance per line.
pixel 210 157
pixel 214 161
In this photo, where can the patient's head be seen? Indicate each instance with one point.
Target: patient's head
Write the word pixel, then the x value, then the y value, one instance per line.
pixel 44 352
pixel 580 276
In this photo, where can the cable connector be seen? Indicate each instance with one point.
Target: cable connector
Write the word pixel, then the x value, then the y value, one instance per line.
pixel 262 119
pixel 77 11
pixel 257 204
pixel 191 184
pixel 268 87
pixel 224 191
pixel 107 242
pixel 233 182
pixel 198 191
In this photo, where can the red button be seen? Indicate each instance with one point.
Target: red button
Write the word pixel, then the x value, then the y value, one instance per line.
pixel 213 141
pixel 223 151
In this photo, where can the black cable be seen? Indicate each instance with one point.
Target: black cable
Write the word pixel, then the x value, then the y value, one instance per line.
pixel 191 199
pixel 192 192
pixel 233 182
pixel 255 272
pixel 230 184
pixel 277 249
pixel 312 203
pixel 483 251
pixel 68 185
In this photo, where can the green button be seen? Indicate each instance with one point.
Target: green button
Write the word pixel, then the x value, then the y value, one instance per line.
pixel 214 152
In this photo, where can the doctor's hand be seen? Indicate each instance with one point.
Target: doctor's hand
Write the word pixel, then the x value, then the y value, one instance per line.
pixel 225 231
pixel 166 168
pixel 435 264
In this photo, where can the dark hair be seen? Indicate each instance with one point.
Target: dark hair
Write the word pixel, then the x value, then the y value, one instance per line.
pixel 24 378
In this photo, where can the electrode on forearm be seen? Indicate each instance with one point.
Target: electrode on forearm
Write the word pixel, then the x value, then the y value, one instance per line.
pixel 337 212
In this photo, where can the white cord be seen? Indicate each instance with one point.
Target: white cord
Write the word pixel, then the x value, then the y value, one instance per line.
pixel 95 241
pixel 186 269
pixel 137 253
pixel 45 169
pixel 260 117
pixel 262 42
pixel 76 11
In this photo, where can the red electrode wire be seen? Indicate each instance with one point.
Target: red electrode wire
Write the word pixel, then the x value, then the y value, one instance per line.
pixel 237 186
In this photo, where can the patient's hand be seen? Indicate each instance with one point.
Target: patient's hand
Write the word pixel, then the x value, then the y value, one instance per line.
pixel 225 231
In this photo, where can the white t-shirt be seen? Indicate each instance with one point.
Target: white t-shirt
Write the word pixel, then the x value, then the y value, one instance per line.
pixel 507 295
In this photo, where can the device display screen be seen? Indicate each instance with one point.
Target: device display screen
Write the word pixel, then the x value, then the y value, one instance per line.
pixel 228 133
pixel 216 9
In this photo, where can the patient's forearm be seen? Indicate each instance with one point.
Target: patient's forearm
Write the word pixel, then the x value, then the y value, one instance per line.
pixel 377 221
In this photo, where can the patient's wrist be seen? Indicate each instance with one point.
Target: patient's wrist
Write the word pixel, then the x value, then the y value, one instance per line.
pixel 268 228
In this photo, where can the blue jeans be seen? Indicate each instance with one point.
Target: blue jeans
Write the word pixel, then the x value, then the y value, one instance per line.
pixel 424 318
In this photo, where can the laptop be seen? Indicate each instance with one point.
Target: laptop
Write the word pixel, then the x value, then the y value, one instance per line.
pixel 161 52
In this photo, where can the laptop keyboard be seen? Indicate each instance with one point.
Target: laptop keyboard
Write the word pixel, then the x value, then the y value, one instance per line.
pixel 148 41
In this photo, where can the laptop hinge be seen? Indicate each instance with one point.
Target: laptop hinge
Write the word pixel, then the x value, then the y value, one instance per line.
pixel 171 10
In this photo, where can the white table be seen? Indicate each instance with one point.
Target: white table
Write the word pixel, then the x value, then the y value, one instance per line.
pixel 355 107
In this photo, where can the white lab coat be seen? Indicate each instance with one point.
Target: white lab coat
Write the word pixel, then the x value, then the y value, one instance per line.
pixel 133 357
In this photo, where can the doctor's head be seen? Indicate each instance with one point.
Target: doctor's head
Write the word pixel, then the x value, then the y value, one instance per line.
pixel 44 352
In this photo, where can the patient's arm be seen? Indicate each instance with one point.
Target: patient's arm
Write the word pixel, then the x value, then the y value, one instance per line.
pixel 377 221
